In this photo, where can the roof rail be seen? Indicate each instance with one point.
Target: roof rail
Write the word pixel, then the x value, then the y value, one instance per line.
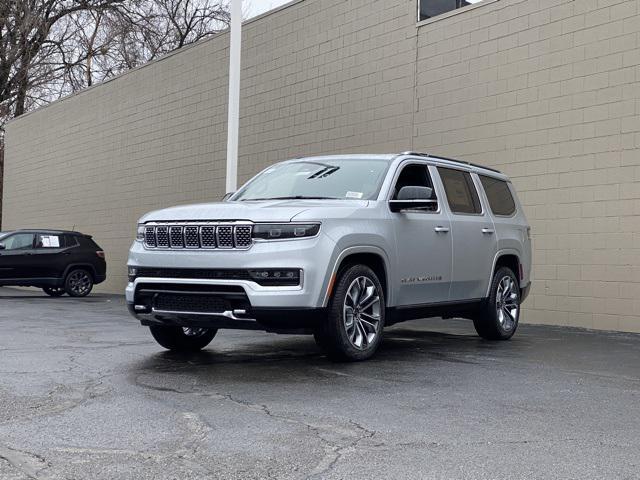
pixel 462 162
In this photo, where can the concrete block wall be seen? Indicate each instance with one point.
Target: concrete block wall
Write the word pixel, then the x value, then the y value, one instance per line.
pixel 549 92
pixel 546 90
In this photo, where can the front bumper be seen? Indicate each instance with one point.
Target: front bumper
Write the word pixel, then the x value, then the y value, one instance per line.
pixel 283 306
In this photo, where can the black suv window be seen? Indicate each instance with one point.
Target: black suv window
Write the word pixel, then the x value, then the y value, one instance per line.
pixel 19 241
pixel 499 196
pixel 47 240
pixel 69 241
pixel 461 192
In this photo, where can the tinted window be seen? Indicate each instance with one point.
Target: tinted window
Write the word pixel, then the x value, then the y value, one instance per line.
pixel 415 176
pixel 19 241
pixel 433 8
pixel 461 193
pixel 499 196
pixel 46 240
pixel 71 241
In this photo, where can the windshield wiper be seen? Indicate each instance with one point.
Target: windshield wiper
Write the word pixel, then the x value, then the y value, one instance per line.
pixel 295 197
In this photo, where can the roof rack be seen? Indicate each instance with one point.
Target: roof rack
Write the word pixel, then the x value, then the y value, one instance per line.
pixel 462 162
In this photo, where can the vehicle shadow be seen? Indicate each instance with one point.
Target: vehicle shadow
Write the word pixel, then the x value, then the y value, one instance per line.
pixel 296 359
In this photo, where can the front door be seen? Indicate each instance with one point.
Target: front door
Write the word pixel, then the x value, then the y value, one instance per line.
pixel 16 258
pixel 423 241
pixel 474 236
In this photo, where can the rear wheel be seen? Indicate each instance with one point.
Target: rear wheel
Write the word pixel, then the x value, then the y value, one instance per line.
pixel 183 339
pixel 353 329
pixel 499 317
pixel 78 283
pixel 54 291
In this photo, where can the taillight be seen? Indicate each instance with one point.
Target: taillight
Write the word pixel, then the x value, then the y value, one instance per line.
pixel 100 253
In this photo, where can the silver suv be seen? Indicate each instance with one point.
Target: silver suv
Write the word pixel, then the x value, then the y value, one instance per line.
pixel 336 246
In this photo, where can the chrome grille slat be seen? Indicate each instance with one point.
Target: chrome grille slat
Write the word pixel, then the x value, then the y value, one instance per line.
pixel 176 237
pixel 191 237
pixel 224 236
pixel 162 237
pixel 150 237
pixel 199 235
pixel 208 237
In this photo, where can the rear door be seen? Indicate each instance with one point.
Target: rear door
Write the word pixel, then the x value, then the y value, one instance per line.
pixel 16 259
pixel 473 235
pixel 51 255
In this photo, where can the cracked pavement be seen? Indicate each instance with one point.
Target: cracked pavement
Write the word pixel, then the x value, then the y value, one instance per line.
pixel 86 393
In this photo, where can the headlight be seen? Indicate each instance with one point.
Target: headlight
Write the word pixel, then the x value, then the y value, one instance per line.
pixel 140 233
pixel 284 231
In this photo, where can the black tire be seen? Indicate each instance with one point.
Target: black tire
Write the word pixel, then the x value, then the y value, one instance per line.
pixel 497 320
pixel 341 331
pixel 79 283
pixel 178 339
pixel 54 291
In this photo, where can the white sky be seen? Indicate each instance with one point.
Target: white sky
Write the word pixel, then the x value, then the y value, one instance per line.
pixel 256 7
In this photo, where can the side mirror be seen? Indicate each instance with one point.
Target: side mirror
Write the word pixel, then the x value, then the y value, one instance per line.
pixel 413 198
pixel 2 246
pixel 227 196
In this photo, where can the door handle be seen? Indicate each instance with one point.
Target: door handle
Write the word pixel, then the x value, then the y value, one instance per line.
pixel 488 231
pixel 442 229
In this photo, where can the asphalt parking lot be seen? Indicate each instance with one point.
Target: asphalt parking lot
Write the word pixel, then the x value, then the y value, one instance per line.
pixel 86 393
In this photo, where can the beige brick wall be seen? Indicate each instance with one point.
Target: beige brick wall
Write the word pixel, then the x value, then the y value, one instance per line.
pixel 546 90
pixel 549 92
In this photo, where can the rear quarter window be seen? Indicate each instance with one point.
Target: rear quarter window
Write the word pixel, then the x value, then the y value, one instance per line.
pixel 499 195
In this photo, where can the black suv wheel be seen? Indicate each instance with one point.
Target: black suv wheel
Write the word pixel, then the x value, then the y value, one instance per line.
pixel 78 283
pixel 54 291
pixel 353 329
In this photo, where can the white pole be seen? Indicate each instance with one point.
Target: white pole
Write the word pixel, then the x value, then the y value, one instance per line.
pixel 233 123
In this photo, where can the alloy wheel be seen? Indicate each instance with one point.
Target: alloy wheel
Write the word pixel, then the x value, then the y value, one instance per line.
pixel 361 313
pixel 80 283
pixel 507 303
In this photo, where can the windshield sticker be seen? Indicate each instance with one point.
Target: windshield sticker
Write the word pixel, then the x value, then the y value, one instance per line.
pixel 354 195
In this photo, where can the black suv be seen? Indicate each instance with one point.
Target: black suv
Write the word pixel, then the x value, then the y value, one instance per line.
pixel 57 261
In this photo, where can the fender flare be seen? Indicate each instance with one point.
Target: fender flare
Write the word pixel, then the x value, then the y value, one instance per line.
pixel 355 250
pixel 86 266
pixel 500 253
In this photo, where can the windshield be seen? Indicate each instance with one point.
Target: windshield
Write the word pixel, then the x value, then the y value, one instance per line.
pixel 344 179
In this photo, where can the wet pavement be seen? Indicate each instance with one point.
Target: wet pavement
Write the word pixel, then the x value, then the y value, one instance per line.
pixel 86 393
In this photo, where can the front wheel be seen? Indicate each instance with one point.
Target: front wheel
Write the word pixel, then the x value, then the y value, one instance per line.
pixel 498 319
pixel 183 339
pixel 54 291
pixel 353 329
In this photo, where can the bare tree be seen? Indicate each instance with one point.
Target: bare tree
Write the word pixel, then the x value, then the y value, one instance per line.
pixel 50 48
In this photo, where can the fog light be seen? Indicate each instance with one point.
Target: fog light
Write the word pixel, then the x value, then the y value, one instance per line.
pixel 132 273
pixel 276 277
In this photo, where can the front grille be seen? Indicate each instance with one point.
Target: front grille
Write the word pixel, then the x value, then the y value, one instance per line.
pixel 199 236
pixel 174 302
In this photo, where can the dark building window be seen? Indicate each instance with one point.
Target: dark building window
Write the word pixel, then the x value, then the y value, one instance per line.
pixel 433 8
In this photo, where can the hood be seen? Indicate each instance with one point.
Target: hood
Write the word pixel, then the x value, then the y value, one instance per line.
pixel 266 211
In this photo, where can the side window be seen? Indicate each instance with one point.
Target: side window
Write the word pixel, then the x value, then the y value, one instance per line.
pixel 19 241
pixel 461 192
pixel 415 175
pixel 70 241
pixel 47 241
pixel 499 196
